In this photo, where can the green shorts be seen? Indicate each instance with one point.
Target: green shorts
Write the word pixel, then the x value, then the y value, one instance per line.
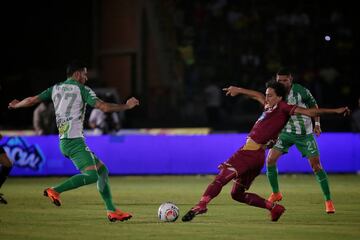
pixel 78 152
pixel 306 144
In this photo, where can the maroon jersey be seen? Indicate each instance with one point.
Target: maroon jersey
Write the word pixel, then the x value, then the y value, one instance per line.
pixel 271 122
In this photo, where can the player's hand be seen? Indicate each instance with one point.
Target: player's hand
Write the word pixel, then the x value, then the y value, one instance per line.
pixel 132 102
pixel 12 104
pixel 343 110
pixel 317 130
pixel 232 91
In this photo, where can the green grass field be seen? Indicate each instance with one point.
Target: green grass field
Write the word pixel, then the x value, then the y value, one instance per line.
pixel 29 215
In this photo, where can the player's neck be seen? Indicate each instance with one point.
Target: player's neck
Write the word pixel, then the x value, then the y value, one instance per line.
pixel 76 80
pixel 288 90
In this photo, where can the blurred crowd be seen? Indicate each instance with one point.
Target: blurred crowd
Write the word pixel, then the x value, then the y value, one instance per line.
pixel 214 44
pixel 245 43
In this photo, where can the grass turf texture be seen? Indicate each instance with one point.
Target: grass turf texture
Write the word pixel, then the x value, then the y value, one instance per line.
pixel 29 215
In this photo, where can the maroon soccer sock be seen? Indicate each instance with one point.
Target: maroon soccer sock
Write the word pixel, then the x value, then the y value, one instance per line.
pixel 215 187
pixel 252 199
pixel 211 192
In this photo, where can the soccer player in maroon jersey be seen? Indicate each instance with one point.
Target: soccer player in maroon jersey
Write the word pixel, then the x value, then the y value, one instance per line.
pixel 246 163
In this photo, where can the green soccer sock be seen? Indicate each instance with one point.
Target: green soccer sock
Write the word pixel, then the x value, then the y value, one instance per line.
pixel 78 180
pixel 104 188
pixel 322 179
pixel 272 175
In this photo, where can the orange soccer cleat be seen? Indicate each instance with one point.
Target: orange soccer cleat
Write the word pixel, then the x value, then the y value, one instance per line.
pixel 118 215
pixel 275 197
pixel 329 206
pixel 53 195
pixel 276 212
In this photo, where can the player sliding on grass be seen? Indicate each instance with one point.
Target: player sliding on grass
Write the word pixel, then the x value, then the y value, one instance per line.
pixel 70 98
pixel 246 163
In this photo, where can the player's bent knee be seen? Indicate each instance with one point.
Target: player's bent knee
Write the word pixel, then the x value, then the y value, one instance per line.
pixel 273 156
pixel 238 195
pixel 103 178
pixel 315 164
pixel 271 161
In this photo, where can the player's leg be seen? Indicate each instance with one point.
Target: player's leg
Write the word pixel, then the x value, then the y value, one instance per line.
pixel 282 146
pixel 5 165
pixel 272 174
pixel 84 160
pixel 321 176
pixel 322 179
pixel 309 148
pixel 5 169
pixel 214 188
pixel 238 194
pixel 103 186
pixel 84 178
pixel 243 181
pixel 239 163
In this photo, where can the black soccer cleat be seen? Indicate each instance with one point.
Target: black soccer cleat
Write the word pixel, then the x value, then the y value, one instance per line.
pixel 193 212
pixel 188 216
pixel 2 199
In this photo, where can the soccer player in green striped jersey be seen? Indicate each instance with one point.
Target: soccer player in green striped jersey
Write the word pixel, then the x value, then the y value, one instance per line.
pixel 70 99
pixel 298 131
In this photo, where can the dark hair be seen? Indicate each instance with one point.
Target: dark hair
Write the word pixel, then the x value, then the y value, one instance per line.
pixel 279 88
pixel 284 71
pixel 74 66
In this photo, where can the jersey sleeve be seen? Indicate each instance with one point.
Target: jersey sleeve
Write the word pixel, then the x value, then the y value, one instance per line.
pixel 46 95
pixel 309 100
pixel 89 96
pixel 289 109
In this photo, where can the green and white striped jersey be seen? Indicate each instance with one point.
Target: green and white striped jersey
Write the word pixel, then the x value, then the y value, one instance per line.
pixel 70 99
pixel 300 124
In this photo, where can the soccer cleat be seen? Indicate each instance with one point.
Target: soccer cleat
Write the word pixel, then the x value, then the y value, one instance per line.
pixel 118 215
pixel 275 197
pixel 193 212
pixel 276 212
pixel 329 206
pixel 53 195
pixel 2 199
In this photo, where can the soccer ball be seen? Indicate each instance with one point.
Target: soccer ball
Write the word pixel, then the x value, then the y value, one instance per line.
pixel 168 212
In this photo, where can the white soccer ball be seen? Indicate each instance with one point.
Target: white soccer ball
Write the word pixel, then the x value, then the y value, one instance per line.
pixel 168 212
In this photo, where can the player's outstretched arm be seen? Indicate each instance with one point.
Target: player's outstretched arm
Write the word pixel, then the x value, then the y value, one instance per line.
pixel 27 102
pixel 313 112
pixel 113 107
pixel 233 91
